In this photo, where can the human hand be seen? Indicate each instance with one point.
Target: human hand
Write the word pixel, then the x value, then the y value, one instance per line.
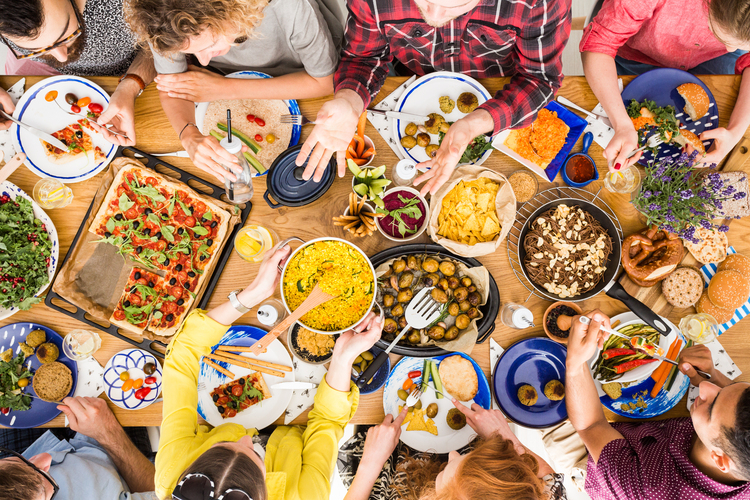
pixel 205 150
pixel 267 280
pixel 724 141
pixel 487 423
pixel 91 417
pixel 458 137
pixel 585 339
pixel 7 104
pixel 354 342
pixel 197 85
pixel 382 440
pixel 120 113
pixel 699 356
pixel 336 124
pixel 624 141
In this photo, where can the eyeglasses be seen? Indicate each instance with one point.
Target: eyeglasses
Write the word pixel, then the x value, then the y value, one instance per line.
pixel 201 487
pixel 40 52
pixel 44 474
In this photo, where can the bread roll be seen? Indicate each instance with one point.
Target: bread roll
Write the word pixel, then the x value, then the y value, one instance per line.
pixel 728 289
pixel 705 305
pixel 696 100
pixel 736 262
pixel 686 137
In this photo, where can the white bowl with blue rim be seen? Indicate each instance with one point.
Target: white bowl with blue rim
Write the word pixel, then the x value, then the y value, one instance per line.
pixel 13 191
pixel 131 361
pixel 202 107
pixel 34 110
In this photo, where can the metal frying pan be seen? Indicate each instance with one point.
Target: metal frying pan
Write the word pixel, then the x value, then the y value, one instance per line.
pixel 608 283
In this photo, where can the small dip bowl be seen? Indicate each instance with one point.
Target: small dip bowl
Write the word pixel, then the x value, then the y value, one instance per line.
pixel 293 341
pixel 524 185
pixel 392 202
pixel 572 305
pixel 580 169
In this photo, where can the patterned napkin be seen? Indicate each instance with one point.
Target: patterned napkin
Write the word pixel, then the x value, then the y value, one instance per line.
pixel 495 352
pixel 6 138
pixel 302 399
pixel 722 362
pixel 90 380
pixel 383 124
pixel 708 272
pixel 603 132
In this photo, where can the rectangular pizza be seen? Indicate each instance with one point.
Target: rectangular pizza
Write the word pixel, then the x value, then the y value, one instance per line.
pixel 138 301
pixel 238 395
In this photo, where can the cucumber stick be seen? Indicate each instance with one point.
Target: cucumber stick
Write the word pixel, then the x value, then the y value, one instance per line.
pixel 217 135
pixel 254 146
pixel 436 379
pixel 425 374
pixel 253 161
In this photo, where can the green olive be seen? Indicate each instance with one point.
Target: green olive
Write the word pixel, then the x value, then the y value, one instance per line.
pixel 418 405
pixel 357 360
pixel 367 355
pixel 403 394
pixel 432 410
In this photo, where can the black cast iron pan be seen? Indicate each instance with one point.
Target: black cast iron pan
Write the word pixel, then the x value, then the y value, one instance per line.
pixel 608 284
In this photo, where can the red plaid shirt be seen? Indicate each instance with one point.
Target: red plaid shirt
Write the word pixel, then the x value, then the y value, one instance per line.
pixel 497 38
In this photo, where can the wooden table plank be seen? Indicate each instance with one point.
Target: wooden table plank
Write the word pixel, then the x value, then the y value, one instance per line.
pixel 155 135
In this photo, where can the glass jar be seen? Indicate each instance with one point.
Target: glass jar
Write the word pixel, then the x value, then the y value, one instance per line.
pixel 516 316
pixel 240 190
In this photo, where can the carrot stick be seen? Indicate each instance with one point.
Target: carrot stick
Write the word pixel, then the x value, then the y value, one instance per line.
pixel 674 350
pixel 351 152
pixel 664 365
pixel 368 152
pixel 359 161
pixel 361 125
pixel 360 147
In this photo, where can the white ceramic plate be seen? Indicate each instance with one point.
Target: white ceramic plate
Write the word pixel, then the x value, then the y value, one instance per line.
pixel 262 414
pixel 201 107
pixel 13 191
pixel 131 361
pixel 630 318
pixel 447 439
pixel 33 110
pixel 421 98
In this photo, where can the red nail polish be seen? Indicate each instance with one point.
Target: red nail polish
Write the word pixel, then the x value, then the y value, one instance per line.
pixel 617 166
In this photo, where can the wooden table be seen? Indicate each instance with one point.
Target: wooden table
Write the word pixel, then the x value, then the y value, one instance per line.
pixel 155 135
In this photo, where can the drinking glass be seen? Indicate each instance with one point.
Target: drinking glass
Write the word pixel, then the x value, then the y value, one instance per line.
pixel 51 193
pixel 623 181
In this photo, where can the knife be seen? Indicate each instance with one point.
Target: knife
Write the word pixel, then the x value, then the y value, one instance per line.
pixel 400 116
pixel 38 133
pixel 294 385
pixel 570 104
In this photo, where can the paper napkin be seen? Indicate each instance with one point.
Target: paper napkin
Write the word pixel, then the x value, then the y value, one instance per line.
pixel 90 380
pixel 6 138
pixel 495 352
pixel 302 399
pixel 722 362
pixel 708 272
pixel 603 132
pixel 383 124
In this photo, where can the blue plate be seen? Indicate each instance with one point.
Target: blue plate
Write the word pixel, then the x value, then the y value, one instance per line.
pixel 577 126
pixel 660 85
pixel 534 361
pixel 380 377
pixel 131 361
pixel 40 412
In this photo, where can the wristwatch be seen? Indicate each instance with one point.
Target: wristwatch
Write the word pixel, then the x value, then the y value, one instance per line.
pixel 236 302
pixel 137 79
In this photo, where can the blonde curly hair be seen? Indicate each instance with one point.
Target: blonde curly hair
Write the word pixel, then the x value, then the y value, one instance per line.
pixel 167 25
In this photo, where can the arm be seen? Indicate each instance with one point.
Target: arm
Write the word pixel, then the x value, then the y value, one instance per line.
pixel 92 417
pixel 581 399
pixel 7 104
pixel 120 112
pixel 699 356
pixel 538 64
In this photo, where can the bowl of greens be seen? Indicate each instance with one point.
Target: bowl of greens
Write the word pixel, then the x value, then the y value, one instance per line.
pixel 29 250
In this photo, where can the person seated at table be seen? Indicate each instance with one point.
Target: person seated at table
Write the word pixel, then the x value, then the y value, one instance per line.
pixel 520 40
pixel 705 456
pixel 100 461
pixel 496 466
pixel 82 38
pixel 298 460
pixel 630 38
pixel 289 39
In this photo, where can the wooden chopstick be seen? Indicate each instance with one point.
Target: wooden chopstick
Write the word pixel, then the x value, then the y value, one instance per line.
pixel 242 363
pixel 226 349
pixel 219 368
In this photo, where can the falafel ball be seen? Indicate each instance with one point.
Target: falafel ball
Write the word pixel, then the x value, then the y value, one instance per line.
pixel 432 125
pixel 446 104
pixel 47 353
pixel 456 420
pixel 554 390
pixel 36 338
pixel 527 395
pixel 26 349
pixel 467 102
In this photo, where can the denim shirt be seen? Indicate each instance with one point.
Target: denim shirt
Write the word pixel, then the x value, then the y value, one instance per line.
pixel 83 470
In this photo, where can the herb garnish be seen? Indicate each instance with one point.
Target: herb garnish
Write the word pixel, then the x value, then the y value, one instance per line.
pixel 12 396
pixel 410 209
pixel 474 150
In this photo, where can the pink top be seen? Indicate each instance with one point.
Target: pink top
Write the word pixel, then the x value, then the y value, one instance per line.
pixel 27 67
pixel 667 33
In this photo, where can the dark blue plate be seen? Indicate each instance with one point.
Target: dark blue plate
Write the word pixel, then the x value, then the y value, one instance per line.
pixel 40 412
pixel 577 126
pixel 380 376
pixel 534 361
pixel 660 85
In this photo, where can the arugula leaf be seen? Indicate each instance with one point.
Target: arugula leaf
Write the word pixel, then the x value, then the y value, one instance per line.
pixel 199 230
pixel 11 395
pixel 185 208
pixel 208 215
pixel 110 225
pixel 168 233
pixel 124 202
pixel 149 192
pixel 152 217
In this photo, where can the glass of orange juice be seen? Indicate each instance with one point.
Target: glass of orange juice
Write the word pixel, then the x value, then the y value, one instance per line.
pixel 253 241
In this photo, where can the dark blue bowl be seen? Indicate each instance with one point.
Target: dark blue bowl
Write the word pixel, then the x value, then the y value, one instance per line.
pixel 380 377
pixel 588 138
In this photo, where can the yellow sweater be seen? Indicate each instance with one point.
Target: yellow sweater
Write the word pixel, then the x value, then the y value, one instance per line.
pixel 299 460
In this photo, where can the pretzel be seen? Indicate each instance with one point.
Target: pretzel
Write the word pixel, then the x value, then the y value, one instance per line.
pixel 651 255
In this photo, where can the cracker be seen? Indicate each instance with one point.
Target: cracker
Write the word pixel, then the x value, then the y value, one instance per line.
pixel 683 287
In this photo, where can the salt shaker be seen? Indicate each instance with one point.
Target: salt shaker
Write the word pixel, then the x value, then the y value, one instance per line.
pixel 241 190
pixel 271 312
pixel 404 172
pixel 516 316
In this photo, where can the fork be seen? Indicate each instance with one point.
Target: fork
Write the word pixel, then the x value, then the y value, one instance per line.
pixel 652 142
pixel 416 394
pixel 295 120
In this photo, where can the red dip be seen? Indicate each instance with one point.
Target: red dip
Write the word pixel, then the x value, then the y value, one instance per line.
pixel 580 169
pixel 405 216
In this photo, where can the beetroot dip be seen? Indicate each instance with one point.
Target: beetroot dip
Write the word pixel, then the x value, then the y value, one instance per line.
pixel 392 202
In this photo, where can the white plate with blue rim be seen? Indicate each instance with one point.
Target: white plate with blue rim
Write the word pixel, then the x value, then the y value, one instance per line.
pixel 13 191
pixel 133 362
pixel 422 98
pixel 201 107
pixel 34 110
pixel 262 414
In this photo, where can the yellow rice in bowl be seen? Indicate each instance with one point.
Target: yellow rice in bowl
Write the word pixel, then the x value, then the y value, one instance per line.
pixel 340 270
